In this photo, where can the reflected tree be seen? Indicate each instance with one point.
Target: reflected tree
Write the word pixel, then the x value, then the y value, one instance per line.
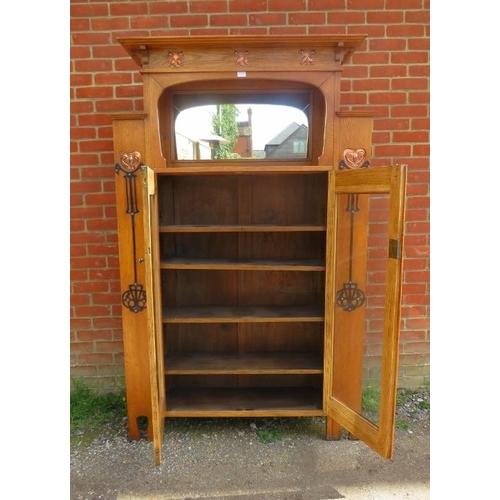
pixel 224 124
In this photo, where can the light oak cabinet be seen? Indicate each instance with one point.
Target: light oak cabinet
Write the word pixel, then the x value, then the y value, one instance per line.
pixel 263 279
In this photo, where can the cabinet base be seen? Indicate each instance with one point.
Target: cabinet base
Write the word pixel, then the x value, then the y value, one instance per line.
pixel 238 402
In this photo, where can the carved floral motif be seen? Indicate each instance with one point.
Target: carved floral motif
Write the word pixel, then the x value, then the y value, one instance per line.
pixel 307 56
pixel 241 57
pixel 175 59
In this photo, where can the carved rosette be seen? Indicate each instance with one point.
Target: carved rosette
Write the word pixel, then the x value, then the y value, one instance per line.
pixel 176 59
pixel 307 57
pixel 241 57
pixel 353 159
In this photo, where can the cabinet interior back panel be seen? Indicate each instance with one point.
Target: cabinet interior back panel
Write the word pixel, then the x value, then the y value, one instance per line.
pixel 200 288
pixel 231 337
pixel 246 199
pixel 278 246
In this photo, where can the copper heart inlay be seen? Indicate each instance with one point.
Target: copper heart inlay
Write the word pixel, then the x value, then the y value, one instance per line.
pixel 354 158
pixel 130 161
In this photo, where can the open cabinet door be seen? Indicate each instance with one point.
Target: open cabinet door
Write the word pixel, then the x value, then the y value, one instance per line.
pixel 155 337
pixel 366 219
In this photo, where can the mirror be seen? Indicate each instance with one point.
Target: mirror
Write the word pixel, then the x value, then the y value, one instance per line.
pixel 238 120
pixel 243 131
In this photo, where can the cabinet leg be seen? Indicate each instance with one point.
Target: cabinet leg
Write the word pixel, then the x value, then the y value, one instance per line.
pixel 150 429
pixel 333 432
pixel 157 453
pixel 133 428
pixel 136 428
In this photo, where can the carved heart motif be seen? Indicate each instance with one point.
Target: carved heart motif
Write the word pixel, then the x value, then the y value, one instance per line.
pixel 354 158
pixel 130 161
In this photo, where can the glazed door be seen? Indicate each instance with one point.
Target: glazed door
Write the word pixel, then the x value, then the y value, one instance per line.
pixel 366 210
pixel 155 338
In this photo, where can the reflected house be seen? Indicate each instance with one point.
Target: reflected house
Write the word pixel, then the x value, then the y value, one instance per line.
pixel 191 149
pixel 197 149
pixel 291 142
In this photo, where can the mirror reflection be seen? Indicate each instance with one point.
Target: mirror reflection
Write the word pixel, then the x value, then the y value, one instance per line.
pixel 241 131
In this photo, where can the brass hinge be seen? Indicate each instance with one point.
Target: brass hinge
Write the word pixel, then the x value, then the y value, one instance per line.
pixel 149 179
pixel 394 249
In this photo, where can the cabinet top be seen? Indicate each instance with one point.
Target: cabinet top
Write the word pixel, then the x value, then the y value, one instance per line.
pixel 248 53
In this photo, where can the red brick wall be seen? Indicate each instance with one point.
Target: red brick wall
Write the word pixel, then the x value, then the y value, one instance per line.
pixel 389 75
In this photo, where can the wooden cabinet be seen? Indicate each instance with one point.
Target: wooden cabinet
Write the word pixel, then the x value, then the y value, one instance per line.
pixel 264 282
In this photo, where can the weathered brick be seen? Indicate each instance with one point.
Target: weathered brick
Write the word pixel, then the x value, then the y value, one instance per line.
pixel 189 21
pixel 180 7
pixel 204 6
pixel 228 20
pixel 267 19
pixel 286 5
pixel 306 18
pixel 247 5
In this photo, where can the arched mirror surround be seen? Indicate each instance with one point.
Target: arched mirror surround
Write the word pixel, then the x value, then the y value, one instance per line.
pixel 230 121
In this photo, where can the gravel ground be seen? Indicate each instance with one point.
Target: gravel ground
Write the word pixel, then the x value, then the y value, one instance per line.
pixel 255 459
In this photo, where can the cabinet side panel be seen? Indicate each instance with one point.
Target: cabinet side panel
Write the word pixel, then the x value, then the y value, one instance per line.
pixel 355 134
pixel 128 136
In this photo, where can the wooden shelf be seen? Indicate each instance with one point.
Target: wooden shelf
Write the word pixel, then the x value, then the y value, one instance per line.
pixel 243 265
pixel 242 314
pixel 239 228
pixel 278 401
pixel 262 363
pixel 239 167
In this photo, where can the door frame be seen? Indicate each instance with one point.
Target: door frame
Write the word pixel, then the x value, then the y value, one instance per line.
pixel 391 180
